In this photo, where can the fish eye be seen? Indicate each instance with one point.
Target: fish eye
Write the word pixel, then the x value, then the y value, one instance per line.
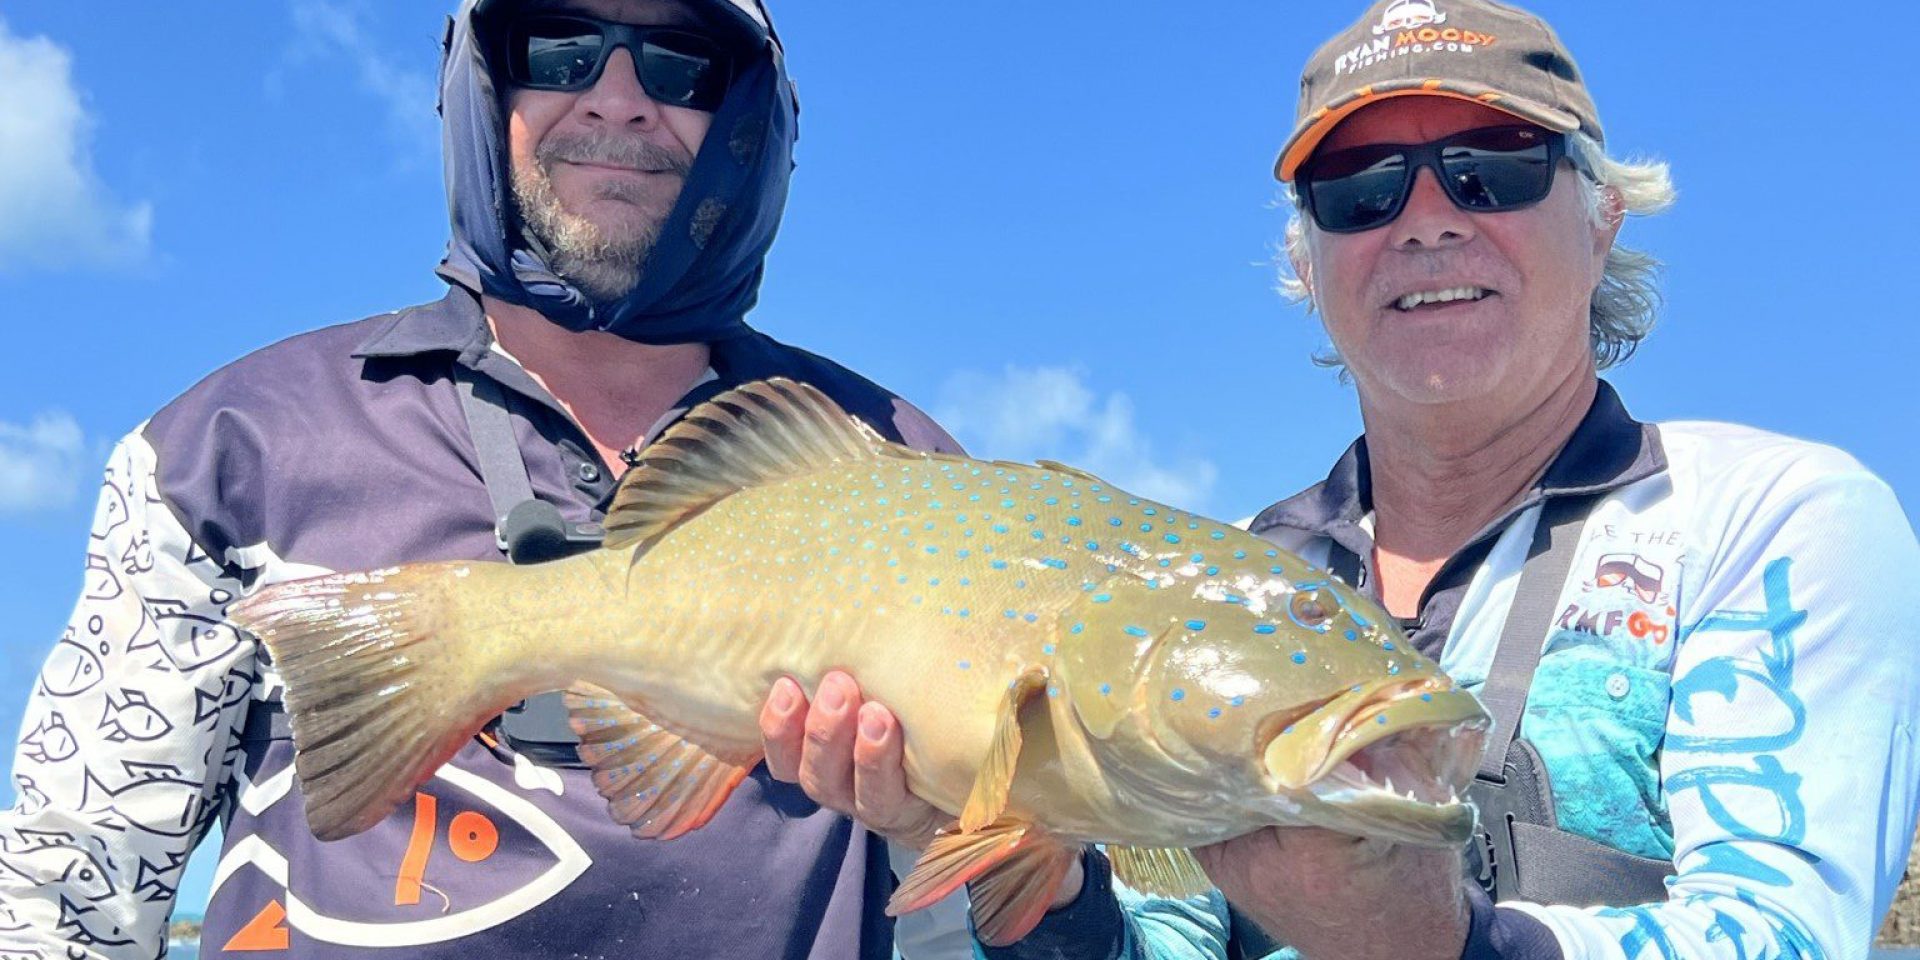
pixel 1307 609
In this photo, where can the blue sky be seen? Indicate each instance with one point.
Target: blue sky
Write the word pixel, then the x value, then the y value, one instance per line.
pixel 1050 224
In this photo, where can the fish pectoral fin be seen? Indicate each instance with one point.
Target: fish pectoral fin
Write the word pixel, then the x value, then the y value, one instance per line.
pixel 1015 868
pixel 751 435
pixel 655 781
pixel 1161 871
pixel 995 780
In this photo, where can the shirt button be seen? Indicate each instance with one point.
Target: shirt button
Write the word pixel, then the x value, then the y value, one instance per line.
pixel 1618 685
pixel 589 473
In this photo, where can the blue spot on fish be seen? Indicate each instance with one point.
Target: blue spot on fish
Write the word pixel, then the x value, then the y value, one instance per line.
pixel 999 528
pixel 933 549
pixel 1352 636
pixel 1037 535
pixel 1238 701
pixel 1427 697
pixel 965 612
pixel 1047 649
pixel 1213 571
pixel 1073 521
pixel 1011 614
pixel 998 564
pixel 1299 657
pixel 1381 719
pixel 1146 528
pixel 1179 694
pixel 1031 617
pixel 1105 689
pixel 1077 628
pixel 1214 713
pixel 1173 538
pixel 1133 631
pixel 1102 597
pixel 1196 624
pixel 1051 501
pixel 1272 553
pixel 1239 554
pixel 1217 535
pixel 1031 518
pixel 1055 564
pixel 1263 628
pixel 1388 645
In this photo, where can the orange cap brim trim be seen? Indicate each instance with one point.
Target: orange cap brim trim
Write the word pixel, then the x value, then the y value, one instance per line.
pixel 1308 139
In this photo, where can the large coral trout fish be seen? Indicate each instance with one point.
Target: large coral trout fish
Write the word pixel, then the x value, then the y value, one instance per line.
pixel 1069 663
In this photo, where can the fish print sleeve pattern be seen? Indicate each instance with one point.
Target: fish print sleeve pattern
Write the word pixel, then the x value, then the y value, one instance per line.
pixel 127 736
pixel 1788 765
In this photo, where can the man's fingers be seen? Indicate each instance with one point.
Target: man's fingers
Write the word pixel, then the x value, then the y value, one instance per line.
pixel 826 763
pixel 783 729
pixel 880 796
pixel 880 776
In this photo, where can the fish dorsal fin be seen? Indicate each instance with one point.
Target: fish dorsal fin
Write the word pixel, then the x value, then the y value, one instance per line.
pixel 1058 467
pixel 755 434
pixel 1160 871
pixel 655 782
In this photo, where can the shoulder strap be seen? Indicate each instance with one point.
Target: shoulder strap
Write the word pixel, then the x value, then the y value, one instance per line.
pixel 1556 534
pixel 502 468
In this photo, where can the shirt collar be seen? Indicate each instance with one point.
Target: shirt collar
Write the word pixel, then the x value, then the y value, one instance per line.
pixel 1607 451
pixel 454 323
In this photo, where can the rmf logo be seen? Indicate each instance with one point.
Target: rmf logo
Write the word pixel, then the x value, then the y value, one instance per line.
pixel 1407 14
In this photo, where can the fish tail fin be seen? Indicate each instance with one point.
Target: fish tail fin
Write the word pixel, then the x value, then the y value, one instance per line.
pixel 381 686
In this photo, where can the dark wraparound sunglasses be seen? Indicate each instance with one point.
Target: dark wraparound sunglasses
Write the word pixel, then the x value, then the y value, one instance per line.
pixel 676 67
pixel 1483 171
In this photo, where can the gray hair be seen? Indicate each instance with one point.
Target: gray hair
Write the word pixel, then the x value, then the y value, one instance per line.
pixel 1628 298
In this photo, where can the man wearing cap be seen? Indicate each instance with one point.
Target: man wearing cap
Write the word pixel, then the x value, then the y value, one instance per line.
pixel 616 171
pixel 1691 635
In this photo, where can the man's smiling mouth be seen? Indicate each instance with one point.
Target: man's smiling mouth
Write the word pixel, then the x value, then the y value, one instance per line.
pixel 1448 295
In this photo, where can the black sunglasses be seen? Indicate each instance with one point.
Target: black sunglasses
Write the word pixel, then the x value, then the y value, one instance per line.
pixel 675 67
pixel 1483 171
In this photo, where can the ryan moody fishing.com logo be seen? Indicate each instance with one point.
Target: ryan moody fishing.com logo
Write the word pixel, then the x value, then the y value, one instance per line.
pixel 1410 26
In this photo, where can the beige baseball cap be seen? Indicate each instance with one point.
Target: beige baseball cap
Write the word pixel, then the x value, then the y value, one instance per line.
pixel 1475 50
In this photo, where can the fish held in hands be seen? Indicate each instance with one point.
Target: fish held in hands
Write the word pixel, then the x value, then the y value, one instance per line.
pixel 1069 663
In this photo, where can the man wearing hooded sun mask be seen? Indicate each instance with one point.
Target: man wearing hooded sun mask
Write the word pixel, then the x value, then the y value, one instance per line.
pixel 616 171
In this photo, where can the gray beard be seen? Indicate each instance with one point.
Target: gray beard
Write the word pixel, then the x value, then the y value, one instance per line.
pixel 603 266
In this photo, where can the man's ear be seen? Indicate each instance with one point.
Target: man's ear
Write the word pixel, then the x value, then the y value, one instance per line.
pixel 1303 269
pixel 1613 212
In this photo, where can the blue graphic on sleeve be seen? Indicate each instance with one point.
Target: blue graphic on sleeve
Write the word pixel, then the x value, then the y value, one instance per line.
pixel 1720 677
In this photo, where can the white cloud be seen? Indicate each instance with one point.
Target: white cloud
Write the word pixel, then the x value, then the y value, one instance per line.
pixel 54 211
pixel 41 464
pixel 1050 412
pixel 329 30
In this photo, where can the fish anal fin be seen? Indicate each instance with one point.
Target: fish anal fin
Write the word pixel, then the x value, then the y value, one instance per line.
pixel 754 434
pixel 1161 871
pixel 1014 869
pixel 655 781
pixel 995 779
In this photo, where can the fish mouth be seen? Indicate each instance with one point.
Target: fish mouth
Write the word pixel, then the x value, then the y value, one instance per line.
pixel 1388 760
